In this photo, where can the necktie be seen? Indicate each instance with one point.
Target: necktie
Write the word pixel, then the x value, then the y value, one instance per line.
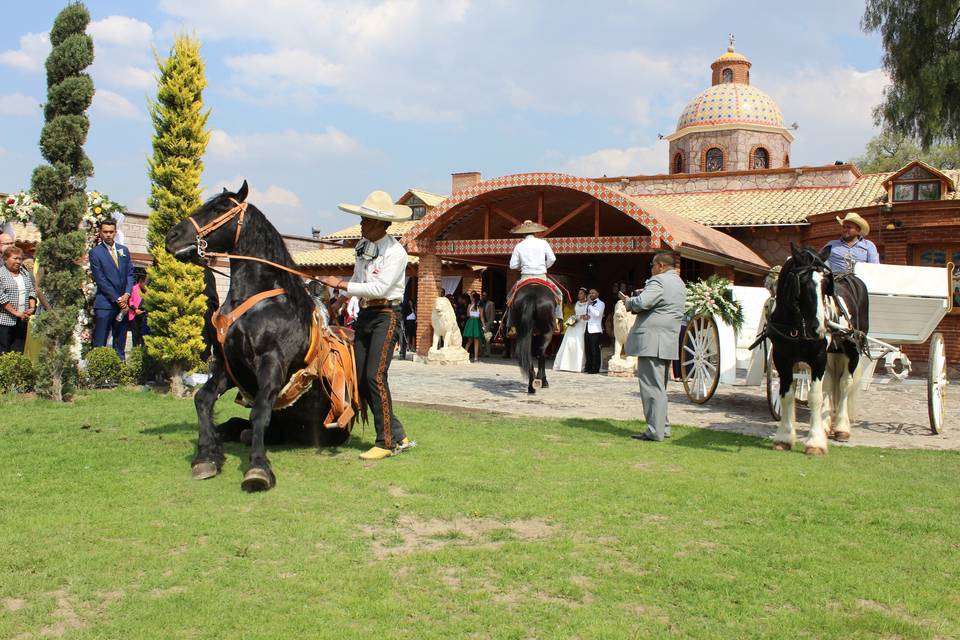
pixel 113 254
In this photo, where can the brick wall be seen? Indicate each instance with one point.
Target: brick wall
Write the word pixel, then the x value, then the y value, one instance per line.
pixel 693 182
pixel 428 288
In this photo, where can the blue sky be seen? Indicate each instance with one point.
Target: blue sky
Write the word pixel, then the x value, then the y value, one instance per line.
pixel 318 102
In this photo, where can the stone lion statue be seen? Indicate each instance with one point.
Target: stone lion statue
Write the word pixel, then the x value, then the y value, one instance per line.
pixel 622 323
pixel 444 321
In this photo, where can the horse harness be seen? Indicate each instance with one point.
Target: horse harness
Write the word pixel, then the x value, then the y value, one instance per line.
pixel 330 357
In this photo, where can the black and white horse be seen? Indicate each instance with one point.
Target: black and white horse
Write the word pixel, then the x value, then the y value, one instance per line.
pixel 809 297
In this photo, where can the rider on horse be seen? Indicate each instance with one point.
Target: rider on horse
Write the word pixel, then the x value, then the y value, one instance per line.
pixel 532 257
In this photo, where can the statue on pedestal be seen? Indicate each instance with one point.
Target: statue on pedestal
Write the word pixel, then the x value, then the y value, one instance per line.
pixel 444 321
pixel 620 365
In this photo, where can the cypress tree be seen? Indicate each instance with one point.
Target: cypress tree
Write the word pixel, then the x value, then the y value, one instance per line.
pixel 60 185
pixel 176 301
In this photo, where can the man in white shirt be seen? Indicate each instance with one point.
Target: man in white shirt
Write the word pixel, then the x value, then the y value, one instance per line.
pixel 378 281
pixel 532 257
pixel 591 339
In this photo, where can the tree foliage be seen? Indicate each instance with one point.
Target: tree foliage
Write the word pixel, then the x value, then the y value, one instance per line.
pixel 890 152
pixel 921 39
pixel 176 299
pixel 59 185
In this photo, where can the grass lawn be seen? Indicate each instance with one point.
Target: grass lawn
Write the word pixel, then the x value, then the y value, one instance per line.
pixel 490 528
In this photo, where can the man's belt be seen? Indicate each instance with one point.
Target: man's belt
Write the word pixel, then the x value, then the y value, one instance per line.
pixel 379 303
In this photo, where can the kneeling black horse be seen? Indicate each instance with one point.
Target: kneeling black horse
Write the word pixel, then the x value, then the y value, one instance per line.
pixel 267 331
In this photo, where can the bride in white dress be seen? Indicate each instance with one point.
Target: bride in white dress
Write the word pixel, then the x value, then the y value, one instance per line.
pixel 570 356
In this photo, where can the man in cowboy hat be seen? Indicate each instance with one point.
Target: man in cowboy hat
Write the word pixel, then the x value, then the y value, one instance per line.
pixel 378 280
pixel 852 246
pixel 532 257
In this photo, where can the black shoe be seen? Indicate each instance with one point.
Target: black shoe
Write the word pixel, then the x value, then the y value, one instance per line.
pixel 644 436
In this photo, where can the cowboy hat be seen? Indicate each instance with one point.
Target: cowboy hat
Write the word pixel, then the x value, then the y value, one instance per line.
pixel 528 226
pixel 857 220
pixel 379 206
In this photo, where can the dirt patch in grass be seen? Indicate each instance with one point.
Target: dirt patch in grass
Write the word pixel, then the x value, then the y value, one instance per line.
pixel 412 534
pixel 169 591
pixel 397 492
pixel 14 604
pixel 70 614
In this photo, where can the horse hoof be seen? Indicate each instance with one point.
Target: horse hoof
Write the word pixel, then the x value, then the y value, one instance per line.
pixel 841 436
pixel 531 391
pixel 782 446
pixel 204 470
pixel 545 385
pixel 257 479
pixel 816 451
pixel 537 384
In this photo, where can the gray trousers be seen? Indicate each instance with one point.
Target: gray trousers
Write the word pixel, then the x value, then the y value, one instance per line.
pixel 652 373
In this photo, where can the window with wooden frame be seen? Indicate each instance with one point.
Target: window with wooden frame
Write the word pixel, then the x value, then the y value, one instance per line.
pixel 938 255
pixel 916 184
pixel 713 160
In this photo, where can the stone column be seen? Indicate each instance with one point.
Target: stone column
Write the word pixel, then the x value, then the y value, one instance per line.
pixel 428 288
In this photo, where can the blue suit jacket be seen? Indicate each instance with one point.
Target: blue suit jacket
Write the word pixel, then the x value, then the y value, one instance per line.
pixel 111 281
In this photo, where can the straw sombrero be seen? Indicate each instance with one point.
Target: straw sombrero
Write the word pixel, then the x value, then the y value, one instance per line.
pixel 528 226
pixel 379 206
pixel 857 220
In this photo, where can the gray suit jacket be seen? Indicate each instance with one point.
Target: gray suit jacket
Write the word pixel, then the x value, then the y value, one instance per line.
pixel 659 309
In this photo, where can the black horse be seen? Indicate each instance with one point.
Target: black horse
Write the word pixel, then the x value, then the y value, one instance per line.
pixel 811 304
pixel 532 316
pixel 263 346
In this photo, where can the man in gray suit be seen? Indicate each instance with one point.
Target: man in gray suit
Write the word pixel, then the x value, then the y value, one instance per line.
pixel 654 337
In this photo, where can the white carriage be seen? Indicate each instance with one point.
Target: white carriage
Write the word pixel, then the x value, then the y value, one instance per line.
pixel 906 305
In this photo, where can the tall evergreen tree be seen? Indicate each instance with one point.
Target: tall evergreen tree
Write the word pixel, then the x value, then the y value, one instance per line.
pixel 890 151
pixel 176 301
pixel 921 39
pixel 60 186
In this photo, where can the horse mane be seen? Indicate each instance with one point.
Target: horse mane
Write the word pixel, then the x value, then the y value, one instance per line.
pixel 261 239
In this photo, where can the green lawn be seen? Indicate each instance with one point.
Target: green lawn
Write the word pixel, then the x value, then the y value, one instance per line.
pixel 490 528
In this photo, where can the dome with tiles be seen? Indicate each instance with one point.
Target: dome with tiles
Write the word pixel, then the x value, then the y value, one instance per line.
pixel 731 103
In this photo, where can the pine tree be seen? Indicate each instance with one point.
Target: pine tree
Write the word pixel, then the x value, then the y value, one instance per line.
pixel 176 299
pixel 60 186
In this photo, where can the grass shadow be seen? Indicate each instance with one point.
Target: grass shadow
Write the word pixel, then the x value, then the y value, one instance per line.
pixel 719 441
pixel 606 427
pixel 170 428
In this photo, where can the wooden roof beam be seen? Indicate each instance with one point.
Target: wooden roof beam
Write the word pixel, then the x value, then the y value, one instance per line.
pixel 567 218
pixel 503 214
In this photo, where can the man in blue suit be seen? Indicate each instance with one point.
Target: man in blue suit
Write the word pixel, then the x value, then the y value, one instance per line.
pixel 113 275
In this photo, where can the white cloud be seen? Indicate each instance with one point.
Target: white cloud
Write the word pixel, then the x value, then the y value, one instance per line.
pixel 122 75
pixel 33 51
pixel 288 65
pixel 273 195
pixel 18 104
pixel 629 161
pixel 287 144
pixel 122 31
pixel 834 108
pixel 113 104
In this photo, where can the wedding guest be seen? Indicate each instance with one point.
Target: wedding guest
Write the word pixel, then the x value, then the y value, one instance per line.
pixel 473 328
pixel 113 274
pixel 594 319
pixel 570 355
pixel 409 328
pixel 137 316
pixel 6 240
pixel 18 300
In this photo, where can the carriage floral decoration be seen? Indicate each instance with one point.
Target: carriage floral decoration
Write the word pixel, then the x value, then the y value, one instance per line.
pixel 713 297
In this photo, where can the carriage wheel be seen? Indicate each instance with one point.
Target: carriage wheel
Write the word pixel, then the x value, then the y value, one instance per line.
pixel 700 359
pixel 937 383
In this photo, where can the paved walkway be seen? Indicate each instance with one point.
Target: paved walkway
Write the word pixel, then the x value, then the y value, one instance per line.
pixel 892 415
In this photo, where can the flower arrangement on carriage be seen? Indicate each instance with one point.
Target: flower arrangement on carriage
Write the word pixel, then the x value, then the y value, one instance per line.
pixel 713 298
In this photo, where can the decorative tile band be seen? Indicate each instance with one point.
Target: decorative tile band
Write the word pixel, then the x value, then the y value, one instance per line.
pixel 504 246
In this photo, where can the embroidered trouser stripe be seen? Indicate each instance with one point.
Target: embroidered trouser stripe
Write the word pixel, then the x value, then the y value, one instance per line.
pixel 375 338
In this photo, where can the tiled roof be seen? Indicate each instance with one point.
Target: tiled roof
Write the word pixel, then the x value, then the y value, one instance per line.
pixel 396 229
pixel 775 206
pixel 731 103
pixel 429 199
pixel 334 258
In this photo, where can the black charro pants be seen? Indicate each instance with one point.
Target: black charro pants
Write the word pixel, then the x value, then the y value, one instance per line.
pixel 376 333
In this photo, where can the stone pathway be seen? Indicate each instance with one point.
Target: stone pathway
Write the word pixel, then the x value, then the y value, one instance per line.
pixel 891 415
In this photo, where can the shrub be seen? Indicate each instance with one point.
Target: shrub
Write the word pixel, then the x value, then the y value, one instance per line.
pixel 104 368
pixel 140 368
pixel 57 375
pixel 16 373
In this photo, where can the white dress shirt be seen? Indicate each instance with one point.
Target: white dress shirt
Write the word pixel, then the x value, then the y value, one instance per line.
pixel 383 275
pixel 595 312
pixel 532 256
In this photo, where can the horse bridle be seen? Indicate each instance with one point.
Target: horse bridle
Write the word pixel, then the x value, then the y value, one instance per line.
pixel 238 209
pixel 796 332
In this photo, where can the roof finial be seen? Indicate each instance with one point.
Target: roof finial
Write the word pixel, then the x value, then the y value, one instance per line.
pixel 732 41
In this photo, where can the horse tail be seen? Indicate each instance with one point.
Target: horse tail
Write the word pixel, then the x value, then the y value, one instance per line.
pixel 523 320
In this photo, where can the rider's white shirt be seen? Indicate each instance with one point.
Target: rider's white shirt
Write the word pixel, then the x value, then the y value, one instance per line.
pixel 532 256
pixel 382 276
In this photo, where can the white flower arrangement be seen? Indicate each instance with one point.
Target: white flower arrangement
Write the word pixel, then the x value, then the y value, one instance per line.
pixel 18 207
pixel 99 207
pixel 714 297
